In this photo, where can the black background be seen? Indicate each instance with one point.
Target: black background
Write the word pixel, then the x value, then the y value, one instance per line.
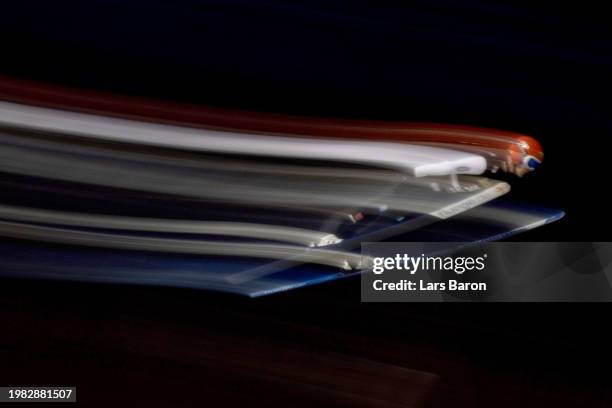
pixel 540 69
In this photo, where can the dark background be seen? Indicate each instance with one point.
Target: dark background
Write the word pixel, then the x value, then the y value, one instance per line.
pixel 539 69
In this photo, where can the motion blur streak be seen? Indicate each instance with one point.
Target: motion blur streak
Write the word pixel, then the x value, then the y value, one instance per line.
pixel 237 229
pixel 343 260
pixel 417 160
pixel 323 191
pixel 510 151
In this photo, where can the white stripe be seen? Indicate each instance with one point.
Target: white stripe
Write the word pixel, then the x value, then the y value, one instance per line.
pixel 235 229
pixel 339 259
pixel 416 159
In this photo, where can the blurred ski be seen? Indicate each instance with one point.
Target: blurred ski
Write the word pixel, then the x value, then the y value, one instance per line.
pixel 23 260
